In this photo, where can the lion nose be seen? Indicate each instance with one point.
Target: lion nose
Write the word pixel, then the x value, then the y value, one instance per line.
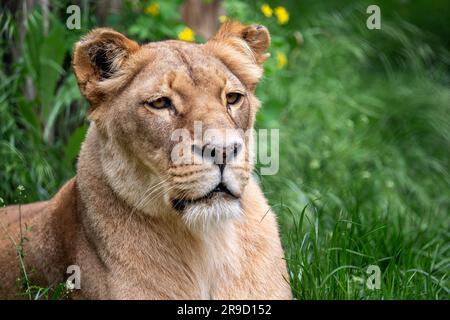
pixel 220 155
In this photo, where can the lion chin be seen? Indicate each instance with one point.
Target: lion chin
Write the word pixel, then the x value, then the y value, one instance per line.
pixel 211 213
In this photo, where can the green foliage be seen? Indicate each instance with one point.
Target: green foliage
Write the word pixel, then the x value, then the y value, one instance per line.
pixel 162 21
pixel 365 144
pixel 39 107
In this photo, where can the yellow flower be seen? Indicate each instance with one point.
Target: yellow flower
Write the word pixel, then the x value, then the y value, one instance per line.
pixel 282 15
pixel 281 60
pixel 222 19
pixel 152 9
pixel 266 10
pixel 187 34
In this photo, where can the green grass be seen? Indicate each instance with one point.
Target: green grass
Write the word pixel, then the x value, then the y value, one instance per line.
pixel 364 120
pixel 364 165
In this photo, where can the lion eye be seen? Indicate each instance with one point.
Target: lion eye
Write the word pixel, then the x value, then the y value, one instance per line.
pixel 233 98
pixel 160 103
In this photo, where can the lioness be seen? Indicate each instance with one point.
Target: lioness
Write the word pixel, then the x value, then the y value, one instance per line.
pixel 139 225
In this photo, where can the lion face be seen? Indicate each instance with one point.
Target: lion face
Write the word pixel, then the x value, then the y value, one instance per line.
pixel 175 118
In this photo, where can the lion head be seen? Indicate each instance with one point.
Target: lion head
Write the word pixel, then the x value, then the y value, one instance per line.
pixel 174 119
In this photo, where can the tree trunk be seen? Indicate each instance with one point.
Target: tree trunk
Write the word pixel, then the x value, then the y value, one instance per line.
pixel 202 16
pixel 105 7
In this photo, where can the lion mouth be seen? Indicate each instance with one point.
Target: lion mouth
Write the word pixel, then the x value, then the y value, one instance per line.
pixel 219 191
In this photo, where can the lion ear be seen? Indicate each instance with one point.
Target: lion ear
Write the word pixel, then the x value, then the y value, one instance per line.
pixel 245 37
pixel 242 47
pixel 99 56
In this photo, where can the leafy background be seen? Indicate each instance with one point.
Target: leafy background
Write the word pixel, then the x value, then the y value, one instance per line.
pixel 364 118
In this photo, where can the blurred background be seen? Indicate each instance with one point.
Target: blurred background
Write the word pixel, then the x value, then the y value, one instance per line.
pixel 364 119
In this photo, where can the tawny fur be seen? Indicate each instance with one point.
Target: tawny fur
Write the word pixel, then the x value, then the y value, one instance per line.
pixel 114 219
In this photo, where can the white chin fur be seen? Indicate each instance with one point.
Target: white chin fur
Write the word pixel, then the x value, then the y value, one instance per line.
pixel 205 215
